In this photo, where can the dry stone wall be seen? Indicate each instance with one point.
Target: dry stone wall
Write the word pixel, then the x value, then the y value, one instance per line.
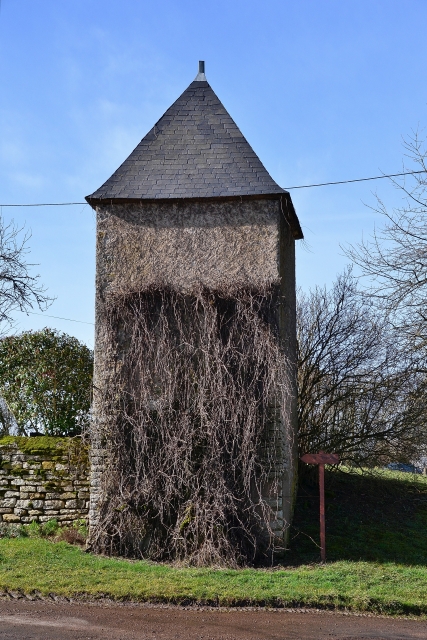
pixel 43 478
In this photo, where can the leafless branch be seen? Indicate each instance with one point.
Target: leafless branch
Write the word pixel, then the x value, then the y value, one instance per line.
pixel 195 425
pixel 19 289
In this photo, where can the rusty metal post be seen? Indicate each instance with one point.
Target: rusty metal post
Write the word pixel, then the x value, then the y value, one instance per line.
pixel 321 459
pixel 322 512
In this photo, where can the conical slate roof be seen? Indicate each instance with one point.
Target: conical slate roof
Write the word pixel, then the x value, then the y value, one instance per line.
pixel 195 150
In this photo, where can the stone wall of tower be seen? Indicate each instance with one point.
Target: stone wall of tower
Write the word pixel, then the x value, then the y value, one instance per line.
pixel 184 245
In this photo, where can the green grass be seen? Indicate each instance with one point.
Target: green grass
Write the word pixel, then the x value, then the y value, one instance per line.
pixel 377 558
pixel 30 564
pixel 379 516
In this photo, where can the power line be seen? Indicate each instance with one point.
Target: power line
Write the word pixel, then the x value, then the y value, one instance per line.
pixel 325 184
pixel 33 313
pixel 303 186
pixel 300 186
pixel 44 204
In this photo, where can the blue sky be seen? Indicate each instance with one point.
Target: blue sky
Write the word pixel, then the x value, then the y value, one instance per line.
pixel 323 90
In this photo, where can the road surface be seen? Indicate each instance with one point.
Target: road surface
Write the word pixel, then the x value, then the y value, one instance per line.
pixel 42 620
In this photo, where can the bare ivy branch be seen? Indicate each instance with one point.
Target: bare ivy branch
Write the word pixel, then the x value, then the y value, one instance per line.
pixel 195 426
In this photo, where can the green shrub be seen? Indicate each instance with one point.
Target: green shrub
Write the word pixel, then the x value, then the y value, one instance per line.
pixel 50 528
pixel 33 529
pixel 46 381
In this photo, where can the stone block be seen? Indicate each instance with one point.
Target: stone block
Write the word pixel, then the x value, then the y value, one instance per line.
pixel 8 503
pixel 61 467
pixel 54 504
pixel 20 512
pixel 11 517
pixel 46 464
pixel 23 504
pixel 35 512
pixel 71 504
pixel 37 504
pixel 97 468
pixel 74 516
pixel 277 517
pixel 12 494
pixel 35 495
pixel 68 495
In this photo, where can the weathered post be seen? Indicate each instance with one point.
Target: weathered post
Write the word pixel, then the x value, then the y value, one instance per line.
pixel 321 459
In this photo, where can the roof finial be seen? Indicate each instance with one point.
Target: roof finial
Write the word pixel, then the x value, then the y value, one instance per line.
pixel 201 75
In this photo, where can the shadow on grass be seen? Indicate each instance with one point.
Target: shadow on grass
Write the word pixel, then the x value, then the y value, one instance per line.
pixel 378 516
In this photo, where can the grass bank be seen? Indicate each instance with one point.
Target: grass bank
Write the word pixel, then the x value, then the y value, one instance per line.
pixel 34 564
pixel 379 516
pixel 376 544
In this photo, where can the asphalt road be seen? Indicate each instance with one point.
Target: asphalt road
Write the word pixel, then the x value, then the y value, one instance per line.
pixel 40 620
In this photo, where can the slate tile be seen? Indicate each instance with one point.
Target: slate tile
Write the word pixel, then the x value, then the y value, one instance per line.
pixel 195 149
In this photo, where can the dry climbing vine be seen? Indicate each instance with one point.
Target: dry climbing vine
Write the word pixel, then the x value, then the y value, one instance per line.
pixel 195 426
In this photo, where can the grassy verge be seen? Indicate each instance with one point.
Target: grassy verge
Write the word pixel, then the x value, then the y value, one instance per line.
pixel 37 564
pixel 377 552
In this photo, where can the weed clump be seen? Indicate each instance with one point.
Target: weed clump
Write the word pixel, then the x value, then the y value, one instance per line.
pixel 75 533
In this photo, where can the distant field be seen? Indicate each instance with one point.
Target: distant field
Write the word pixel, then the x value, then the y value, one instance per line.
pixel 377 552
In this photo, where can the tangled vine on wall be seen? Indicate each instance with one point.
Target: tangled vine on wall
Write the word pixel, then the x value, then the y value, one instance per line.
pixel 195 425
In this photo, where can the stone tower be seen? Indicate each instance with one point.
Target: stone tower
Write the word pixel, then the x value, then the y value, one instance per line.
pixel 192 207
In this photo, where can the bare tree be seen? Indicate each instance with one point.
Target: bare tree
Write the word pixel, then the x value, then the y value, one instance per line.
pixel 19 288
pixel 359 392
pixel 394 259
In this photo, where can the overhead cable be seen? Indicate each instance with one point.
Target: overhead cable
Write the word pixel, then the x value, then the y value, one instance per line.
pixel 33 313
pixel 326 184
pixel 300 186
